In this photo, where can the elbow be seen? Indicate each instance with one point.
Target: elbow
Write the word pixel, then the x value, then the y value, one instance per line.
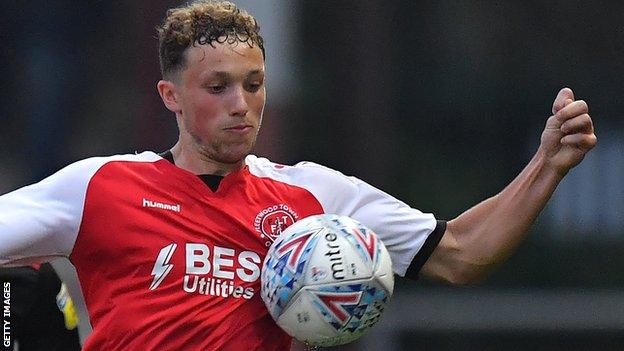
pixel 471 263
pixel 461 260
pixel 469 273
pixel 466 279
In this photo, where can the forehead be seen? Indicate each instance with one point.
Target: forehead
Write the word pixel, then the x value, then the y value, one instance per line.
pixel 235 59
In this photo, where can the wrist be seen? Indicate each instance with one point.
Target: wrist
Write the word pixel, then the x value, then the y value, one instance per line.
pixel 547 165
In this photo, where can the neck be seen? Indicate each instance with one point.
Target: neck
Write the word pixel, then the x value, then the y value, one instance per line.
pixel 193 161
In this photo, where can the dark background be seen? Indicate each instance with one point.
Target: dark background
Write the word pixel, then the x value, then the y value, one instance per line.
pixel 440 103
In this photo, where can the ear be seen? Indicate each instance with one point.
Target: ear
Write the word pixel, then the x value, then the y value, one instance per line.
pixel 169 96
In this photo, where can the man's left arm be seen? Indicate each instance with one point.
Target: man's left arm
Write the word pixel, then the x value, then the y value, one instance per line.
pixel 488 233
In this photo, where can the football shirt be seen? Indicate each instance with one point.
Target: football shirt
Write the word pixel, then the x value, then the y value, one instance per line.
pixel 167 263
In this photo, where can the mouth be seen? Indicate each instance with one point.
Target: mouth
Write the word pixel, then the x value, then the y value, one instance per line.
pixel 239 128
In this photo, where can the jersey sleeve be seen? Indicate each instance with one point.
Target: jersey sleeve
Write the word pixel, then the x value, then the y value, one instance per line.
pixel 41 221
pixel 409 234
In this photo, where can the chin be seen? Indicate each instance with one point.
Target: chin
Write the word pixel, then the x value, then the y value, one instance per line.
pixel 229 153
pixel 232 157
pixel 231 160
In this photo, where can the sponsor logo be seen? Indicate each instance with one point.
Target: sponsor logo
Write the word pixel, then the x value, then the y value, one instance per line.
pixel 271 221
pixel 161 266
pixel 160 205
pixel 335 256
pixel 211 271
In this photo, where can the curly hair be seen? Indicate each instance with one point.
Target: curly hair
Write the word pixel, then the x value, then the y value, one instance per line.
pixel 203 22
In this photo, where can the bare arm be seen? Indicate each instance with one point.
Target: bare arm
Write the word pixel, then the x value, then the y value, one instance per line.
pixel 488 233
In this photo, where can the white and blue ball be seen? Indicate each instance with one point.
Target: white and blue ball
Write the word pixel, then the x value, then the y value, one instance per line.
pixel 326 279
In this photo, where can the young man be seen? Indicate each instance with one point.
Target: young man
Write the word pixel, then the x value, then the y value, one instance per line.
pixel 168 247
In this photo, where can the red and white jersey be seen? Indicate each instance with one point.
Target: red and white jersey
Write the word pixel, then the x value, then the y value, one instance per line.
pixel 165 263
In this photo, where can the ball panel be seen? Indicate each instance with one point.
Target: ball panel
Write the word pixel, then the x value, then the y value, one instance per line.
pixel 384 273
pixel 282 273
pixel 303 322
pixel 350 308
pixel 364 240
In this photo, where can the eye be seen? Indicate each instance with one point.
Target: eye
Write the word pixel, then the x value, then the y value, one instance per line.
pixel 253 86
pixel 216 89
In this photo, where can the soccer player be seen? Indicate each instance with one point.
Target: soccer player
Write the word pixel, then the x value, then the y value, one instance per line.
pixel 168 247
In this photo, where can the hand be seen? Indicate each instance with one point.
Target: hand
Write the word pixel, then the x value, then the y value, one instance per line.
pixel 569 133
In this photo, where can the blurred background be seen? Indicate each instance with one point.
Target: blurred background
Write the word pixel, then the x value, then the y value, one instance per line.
pixel 440 103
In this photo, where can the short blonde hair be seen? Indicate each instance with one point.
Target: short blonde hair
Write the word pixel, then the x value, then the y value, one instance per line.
pixel 203 22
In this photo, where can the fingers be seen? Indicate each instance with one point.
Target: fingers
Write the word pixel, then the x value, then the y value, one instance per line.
pixel 571 110
pixel 580 141
pixel 560 101
pixel 578 124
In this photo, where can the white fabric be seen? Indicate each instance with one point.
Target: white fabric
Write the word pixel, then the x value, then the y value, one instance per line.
pixel 402 229
pixel 43 219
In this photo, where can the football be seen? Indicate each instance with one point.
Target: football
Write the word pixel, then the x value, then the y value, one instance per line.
pixel 326 279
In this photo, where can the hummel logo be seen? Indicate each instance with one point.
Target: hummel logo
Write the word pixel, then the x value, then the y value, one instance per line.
pixel 155 204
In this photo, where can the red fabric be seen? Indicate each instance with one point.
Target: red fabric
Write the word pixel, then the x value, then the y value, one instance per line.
pixel 120 239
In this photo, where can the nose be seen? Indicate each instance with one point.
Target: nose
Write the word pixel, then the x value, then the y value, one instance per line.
pixel 239 106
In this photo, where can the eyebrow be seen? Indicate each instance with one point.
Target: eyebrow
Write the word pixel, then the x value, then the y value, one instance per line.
pixel 225 75
pixel 218 74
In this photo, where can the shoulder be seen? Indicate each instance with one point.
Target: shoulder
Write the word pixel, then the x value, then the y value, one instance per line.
pixel 74 178
pixel 99 161
pixel 336 192
pixel 305 173
pixel 89 166
pixel 42 220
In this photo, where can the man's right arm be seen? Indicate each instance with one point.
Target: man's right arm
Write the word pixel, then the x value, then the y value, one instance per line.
pixel 41 221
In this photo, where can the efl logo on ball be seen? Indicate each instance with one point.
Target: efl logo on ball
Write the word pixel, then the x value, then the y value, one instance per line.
pixel 327 279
